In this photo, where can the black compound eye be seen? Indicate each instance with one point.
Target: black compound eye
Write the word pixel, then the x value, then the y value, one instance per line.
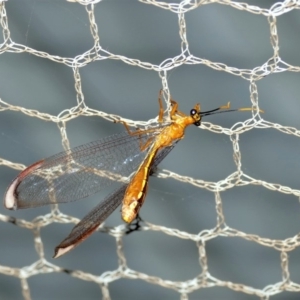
pixel 193 112
pixel 198 123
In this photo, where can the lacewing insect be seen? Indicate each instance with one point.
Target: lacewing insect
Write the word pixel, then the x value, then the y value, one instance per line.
pixel 84 170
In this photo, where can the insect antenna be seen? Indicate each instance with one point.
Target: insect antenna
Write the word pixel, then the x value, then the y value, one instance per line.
pixel 224 109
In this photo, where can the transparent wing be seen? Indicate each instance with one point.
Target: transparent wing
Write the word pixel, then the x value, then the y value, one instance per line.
pixel 100 212
pixel 79 172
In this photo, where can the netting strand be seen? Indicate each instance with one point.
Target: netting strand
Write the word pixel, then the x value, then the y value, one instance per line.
pixel 205 278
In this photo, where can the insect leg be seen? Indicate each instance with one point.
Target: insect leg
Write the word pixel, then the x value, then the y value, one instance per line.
pixel 161 108
pixel 175 110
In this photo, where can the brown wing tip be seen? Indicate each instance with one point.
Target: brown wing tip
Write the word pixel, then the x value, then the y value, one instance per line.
pixel 10 200
pixel 59 251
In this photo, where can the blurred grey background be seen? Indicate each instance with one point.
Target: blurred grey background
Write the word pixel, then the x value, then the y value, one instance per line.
pixel 216 32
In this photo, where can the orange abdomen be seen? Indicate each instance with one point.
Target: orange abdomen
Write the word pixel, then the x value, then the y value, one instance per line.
pixel 136 190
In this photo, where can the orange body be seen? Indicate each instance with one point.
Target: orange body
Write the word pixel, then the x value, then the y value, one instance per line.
pixel 136 191
pixel 137 188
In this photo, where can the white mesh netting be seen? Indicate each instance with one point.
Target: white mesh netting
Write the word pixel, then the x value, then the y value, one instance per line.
pixel 222 219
